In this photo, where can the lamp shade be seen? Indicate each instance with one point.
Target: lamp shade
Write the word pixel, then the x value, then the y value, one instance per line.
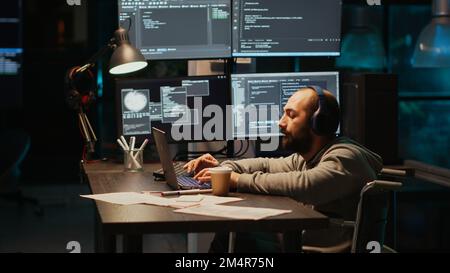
pixel 433 46
pixel 362 45
pixel 362 49
pixel 126 58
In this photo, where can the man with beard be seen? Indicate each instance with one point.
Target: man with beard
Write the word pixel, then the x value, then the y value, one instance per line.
pixel 325 171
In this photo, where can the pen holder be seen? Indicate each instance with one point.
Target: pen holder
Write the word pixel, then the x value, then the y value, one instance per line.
pixel 134 160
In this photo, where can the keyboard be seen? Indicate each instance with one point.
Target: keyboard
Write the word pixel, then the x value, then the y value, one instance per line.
pixel 179 171
pixel 186 182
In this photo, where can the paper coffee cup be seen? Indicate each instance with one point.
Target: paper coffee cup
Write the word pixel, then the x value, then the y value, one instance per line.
pixel 220 180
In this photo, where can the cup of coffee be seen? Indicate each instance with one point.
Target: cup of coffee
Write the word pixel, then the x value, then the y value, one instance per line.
pixel 220 180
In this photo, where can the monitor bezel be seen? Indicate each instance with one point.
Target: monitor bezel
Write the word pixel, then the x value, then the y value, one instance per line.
pixel 282 54
pixel 140 138
pixel 258 137
pixel 211 57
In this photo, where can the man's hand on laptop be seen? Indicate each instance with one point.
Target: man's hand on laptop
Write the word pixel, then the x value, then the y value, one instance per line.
pixel 204 176
pixel 203 162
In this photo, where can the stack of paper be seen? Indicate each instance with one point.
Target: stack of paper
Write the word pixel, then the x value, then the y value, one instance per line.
pixel 127 198
pixel 184 201
pixel 233 211
pixel 207 205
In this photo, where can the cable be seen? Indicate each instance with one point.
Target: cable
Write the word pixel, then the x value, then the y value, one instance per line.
pixel 196 153
pixel 240 148
pixel 193 155
pixel 131 23
pixel 238 153
pixel 246 149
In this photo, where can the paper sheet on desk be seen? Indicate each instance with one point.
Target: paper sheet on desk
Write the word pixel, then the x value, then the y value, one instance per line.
pixel 215 200
pixel 233 211
pixel 133 198
pixel 205 200
pixel 129 198
pixel 190 198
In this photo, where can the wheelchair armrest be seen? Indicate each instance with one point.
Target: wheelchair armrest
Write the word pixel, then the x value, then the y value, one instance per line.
pixel 340 248
pixel 341 223
pixel 397 173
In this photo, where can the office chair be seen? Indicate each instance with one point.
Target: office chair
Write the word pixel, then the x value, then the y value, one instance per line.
pixel 369 226
pixel 371 216
pixel 14 146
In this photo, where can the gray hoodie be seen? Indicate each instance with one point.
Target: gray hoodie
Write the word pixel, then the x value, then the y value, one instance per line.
pixel 330 182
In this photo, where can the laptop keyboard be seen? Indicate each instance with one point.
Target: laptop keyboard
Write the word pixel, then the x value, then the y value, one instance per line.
pixel 179 170
pixel 190 183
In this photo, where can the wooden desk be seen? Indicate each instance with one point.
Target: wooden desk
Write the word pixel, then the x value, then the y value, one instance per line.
pixel 135 220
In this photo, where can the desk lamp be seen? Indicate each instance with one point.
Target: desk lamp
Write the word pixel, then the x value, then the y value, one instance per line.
pixel 362 45
pixel 81 82
pixel 433 46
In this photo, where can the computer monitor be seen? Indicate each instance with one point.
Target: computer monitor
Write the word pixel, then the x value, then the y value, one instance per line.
pixel 252 93
pixel 172 103
pixel 286 28
pixel 11 55
pixel 178 29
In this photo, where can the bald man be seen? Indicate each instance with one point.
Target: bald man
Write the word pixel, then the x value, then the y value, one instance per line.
pixel 325 172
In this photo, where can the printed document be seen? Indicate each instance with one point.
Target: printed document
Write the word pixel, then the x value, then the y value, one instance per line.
pixel 235 212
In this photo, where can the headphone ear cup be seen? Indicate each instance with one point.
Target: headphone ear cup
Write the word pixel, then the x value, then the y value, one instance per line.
pixel 73 99
pixel 315 123
pixel 81 88
pixel 323 124
pixel 333 124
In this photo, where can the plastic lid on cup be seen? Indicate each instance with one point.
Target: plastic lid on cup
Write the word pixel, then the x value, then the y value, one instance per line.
pixel 220 170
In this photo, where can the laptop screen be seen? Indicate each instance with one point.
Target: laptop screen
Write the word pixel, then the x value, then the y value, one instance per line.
pixel 165 157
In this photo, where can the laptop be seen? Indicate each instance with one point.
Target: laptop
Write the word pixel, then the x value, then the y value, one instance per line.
pixel 175 182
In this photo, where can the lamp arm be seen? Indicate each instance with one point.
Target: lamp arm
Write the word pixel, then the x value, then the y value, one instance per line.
pixel 87 132
pixel 86 128
pixel 91 63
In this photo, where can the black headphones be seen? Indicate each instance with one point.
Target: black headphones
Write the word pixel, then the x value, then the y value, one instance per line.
pixel 80 88
pixel 323 122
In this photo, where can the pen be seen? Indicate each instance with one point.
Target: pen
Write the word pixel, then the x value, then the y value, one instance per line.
pixel 132 143
pixel 152 192
pixel 125 143
pixel 185 192
pixel 121 145
pixel 141 149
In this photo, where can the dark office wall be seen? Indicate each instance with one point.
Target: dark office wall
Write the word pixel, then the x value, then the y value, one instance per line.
pixel 422 222
pixel 423 120
pixel 424 108
pixel 56 37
